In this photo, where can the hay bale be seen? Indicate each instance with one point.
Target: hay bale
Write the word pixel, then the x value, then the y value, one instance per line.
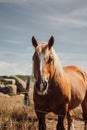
pixel 4 95
pixel 19 83
pixel 9 81
pixel 9 89
pixel 7 85
pixel 12 89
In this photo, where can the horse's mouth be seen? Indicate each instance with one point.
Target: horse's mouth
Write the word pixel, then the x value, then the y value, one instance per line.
pixel 42 88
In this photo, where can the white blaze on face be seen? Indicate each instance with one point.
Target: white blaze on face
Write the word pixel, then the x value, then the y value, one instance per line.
pixel 41 63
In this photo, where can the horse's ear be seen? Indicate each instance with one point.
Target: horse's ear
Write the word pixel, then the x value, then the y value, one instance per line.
pixel 51 42
pixel 34 42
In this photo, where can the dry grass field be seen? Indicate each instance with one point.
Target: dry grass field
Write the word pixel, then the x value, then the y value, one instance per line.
pixel 14 115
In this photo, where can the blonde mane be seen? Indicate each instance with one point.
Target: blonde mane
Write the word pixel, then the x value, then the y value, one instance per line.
pixel 57 64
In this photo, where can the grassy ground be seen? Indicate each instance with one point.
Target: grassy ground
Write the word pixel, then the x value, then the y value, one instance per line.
pixel 14 115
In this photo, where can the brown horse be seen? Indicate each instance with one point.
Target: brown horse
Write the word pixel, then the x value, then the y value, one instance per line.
pixel 57 89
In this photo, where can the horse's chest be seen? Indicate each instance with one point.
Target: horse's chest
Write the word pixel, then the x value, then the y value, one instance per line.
pixel 48 103
pixel 56 104
pixel 41 103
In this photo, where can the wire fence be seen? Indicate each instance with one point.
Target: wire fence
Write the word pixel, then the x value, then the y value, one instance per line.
pixel 51 122
pixel 59 115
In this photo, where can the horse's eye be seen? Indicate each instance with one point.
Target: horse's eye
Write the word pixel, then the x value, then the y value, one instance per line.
pixel 50 59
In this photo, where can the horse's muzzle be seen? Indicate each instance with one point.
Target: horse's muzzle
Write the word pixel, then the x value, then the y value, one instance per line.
pixel 41 86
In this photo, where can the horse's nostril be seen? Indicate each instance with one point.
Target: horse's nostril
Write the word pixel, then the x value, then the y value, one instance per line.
pixel 45 84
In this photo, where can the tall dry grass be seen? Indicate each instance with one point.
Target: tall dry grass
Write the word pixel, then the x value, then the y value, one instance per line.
pixel 18 119
pixel 14 115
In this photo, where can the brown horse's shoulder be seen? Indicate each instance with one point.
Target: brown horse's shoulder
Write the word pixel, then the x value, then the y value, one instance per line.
pixel 75 70
pixel 70 71
pixel 68 68
pixel 78 83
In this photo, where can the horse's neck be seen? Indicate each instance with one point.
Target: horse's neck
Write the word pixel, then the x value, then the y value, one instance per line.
pixel 57 79
pixel 58 73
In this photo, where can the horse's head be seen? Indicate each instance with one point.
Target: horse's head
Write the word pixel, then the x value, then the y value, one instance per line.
pixel 43 61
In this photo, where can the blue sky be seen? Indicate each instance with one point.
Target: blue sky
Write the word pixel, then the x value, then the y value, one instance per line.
pixel 66 20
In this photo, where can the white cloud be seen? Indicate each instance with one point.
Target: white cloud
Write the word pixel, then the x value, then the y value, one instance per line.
pixel 11 41
pixel 66 21
pixel 7 68
pixel 76 59
pixel 79 12
pixel 12 1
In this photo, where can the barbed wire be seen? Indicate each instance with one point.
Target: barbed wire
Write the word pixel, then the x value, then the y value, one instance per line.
pixel 60 115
